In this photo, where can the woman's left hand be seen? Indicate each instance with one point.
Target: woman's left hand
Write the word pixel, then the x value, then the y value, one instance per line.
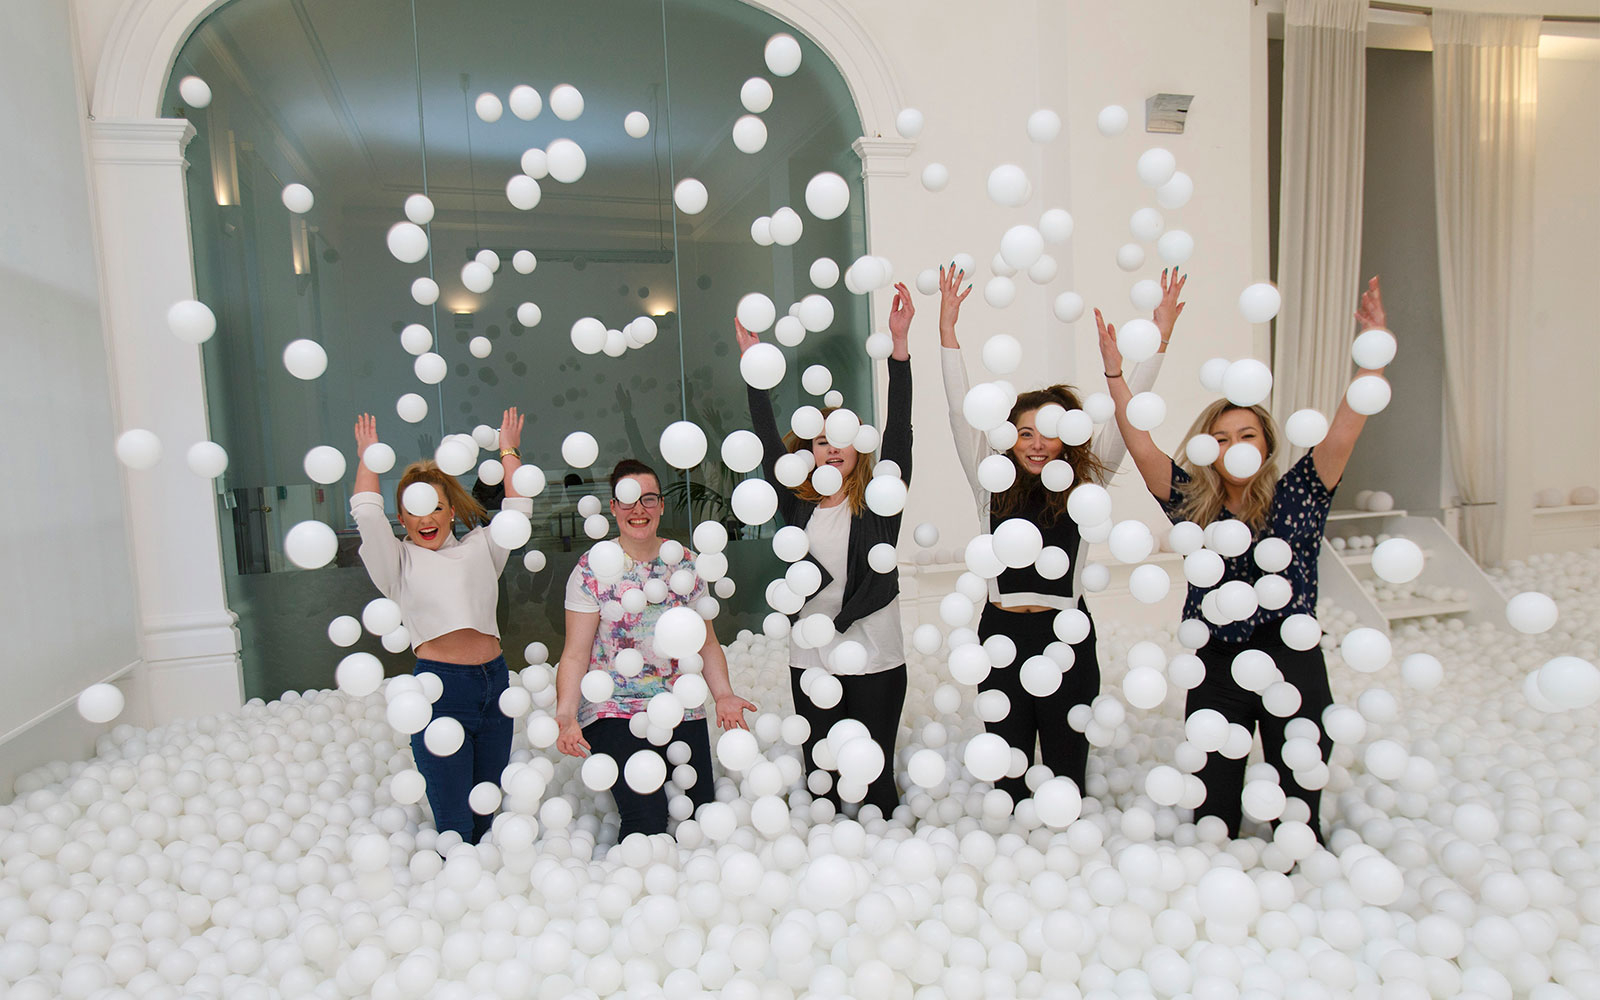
pixel 1370 314
pixel 900 312
pixel 730 711
pixel 1169 308
pixel 511 429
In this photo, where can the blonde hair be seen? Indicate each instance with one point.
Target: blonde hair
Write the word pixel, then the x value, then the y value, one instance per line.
pixel 1028 489
pixel 450 490
pixel 1204 496
pixel 855 484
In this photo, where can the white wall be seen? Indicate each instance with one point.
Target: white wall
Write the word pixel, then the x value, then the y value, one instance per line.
pixel 67 586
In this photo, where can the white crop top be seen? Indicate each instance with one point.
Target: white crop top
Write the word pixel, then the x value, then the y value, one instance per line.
pixel 439 591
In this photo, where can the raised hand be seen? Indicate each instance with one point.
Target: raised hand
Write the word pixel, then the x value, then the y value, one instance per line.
pixel 900 313
pixel 1169 308
pixel 746 339
pixel 950 298
pixel 1370 314
pixel 511 428
pixel 571 741
pixel 366 433
pixel 730 711
pixel 1110 354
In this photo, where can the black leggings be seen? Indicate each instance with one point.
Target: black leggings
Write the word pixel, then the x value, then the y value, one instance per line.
pixel 1041 721
pixel 874 700
pixel 1224 778
pixel 648 813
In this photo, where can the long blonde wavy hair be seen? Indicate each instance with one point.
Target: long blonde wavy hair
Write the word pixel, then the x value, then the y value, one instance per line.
pixel 1204 496
pixel 451 491
pixel 855 484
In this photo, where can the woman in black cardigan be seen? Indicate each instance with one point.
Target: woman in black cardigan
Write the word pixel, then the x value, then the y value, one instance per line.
pixel 846 650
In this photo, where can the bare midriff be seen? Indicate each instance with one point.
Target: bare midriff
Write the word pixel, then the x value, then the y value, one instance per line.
pixel 464 645
pixel 1026 609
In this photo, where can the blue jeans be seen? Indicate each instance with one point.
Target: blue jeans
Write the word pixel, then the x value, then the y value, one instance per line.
pixel 471 697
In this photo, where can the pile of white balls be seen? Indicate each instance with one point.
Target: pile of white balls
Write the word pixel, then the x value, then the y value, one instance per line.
pixel 283 851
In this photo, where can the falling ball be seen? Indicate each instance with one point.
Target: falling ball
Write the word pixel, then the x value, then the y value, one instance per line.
pixel 908 123
pixel 297 198
pixel 1146 224
pixel 1368 394
pixel 100 703
pixel 935 176
pixel 754 501
pixel 579 450
pixel 488 107
pixel 310 544
pixel 1146 411
pixel 523 192
pixel 525 102
pixel 1175 247
pixel 1068 307
pixel 1130 256
pixel 566 102
pixel 1242 460
pixel 1305 428
pixel 411 408
pixel 1112 120
pixel 762 366
pixel 1176 192
pixel 425 291
pixel 683 444
pixel 1021 246
pixel 782 54
pixel 749 134
pixel 1259 302
pixel 378 457
pixel 324 464
pixel 566 160
pixel 420 499
pixel 827 195
pixel 1247 382
pixel 1044 125
pixel 476 276
pixel 1008 185
pixel 138 449
pixel 407 242
pixel 1366 650
pixel 358 674
pixel 786 227
pixel 430 368
pixel 443 736
pixel 207 459
pixel 1397 560
pixel 305 359
pixel 636 124
pixel 1373 349
pixel 1000 292
pixel 690 196
pixel 756 95
pixel 192 322
pixel 1139 340
pixel 1156 166
pixel 1531 613
pixel 195 92
pixel 480 346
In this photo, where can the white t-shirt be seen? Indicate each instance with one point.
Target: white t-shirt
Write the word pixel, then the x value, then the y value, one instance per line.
pixel 439 590
pixel 879 633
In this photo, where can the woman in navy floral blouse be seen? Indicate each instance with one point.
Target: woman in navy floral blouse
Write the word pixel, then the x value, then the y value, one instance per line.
pixel 1293 508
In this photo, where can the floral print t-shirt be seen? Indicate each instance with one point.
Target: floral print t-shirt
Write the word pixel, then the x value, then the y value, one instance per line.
pixel 620 629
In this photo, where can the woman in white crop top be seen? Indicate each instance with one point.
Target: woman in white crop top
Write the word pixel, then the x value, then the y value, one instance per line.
pixel 448 590
pixel 1047 637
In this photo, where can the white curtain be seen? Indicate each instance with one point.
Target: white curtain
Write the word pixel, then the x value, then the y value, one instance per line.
pixel 1485 91
pixel 1319 217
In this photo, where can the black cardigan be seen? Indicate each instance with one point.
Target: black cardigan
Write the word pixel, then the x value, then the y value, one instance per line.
pixel 865 589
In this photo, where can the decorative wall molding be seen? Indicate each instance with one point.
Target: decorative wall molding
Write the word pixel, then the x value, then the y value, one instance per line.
pixel 883 157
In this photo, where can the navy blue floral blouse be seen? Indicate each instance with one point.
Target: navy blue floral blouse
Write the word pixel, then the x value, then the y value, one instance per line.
pixel 1298 515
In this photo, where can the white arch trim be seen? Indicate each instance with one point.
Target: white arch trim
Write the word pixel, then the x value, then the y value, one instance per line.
pixel 145 36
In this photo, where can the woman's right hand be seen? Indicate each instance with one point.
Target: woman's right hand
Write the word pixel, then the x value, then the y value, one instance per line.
pixel 571 741
pixel 1110 354
pixel 366 433
pixel 746 339
pixel 950 299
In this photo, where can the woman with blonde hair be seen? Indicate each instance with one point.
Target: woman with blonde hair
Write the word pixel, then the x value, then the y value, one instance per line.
pixel 1035 606
pixel 865 652
pixel 1290 511
pixel 448 592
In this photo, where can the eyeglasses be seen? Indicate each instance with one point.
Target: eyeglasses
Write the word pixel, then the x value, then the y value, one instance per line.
pixel 650 501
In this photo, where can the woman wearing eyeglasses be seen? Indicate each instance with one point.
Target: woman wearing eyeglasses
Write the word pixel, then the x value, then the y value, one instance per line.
pixel 610 625
pixel 864 656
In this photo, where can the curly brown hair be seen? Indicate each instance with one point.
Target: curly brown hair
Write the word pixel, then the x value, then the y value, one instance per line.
pixel 1028 492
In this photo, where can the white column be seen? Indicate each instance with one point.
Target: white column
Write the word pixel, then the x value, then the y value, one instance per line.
pixel 188 640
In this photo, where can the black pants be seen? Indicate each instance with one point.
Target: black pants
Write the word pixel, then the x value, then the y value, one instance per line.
pixel 1041 721
pixel 648 813
pixel 1224 778
pixel 874 700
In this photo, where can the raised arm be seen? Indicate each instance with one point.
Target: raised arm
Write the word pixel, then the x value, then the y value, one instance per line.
pixel 971 444
pixel 714 666
pixel 765 424
pixel 510 447
pixel 380 550
pixel 1108 444
pixel 1333 453
pixel 1154 465
pixel 366 437
pixel 574 663
pixel 897 422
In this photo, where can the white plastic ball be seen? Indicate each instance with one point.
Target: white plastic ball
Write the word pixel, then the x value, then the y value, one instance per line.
pixel 683 444
pixel 1242 460
pixel 324 464
pixel 430 368
pixel 195 92
pixel 827 195
pixel 407 242
pixel 566 102
pixel 763 366
pixel 1306 428
pixel 1044 125
pixel 1246 382
pixel 754 501
pixel 1156 166
pixel 1068 307
pixel 100 703
pixel 1021 246
pixel 749 134
pixel 1397 560
pixel 1176 192
pixel 1373 349
pixel 207 459
pixel 566 161
pixel 523 192
pixel 488 107
pixel 525 102
pixel 1008 185
pixel 1146 411
pixel 580 450
pixel 191 322
pixel 1531 612
pixel 1260 302
pixel 935 177
pixel 1112 120
pixel 1366 650
pixel 310 544
pixel 1130 256
pixel 756 95
pixel 298 198
pixel 358 674
pixel 782 54
pixel 305 359
pixel 1368 394
pixel 1175 247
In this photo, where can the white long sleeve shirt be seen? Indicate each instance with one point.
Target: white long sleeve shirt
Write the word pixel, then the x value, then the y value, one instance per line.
pixel 972 447
pixel 439 590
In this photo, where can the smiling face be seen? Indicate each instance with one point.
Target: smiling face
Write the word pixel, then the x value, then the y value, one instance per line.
pixel 1241 428
pixel 1033 451
pixel 431 530
pixel 843 459
pixel 640 519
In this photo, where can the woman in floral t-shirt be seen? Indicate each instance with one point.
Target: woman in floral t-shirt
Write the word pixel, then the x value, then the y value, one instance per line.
pixel 611 620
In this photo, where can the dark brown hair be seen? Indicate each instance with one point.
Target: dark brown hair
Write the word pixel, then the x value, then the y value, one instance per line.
pixel 1028 492
pixel 631 467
